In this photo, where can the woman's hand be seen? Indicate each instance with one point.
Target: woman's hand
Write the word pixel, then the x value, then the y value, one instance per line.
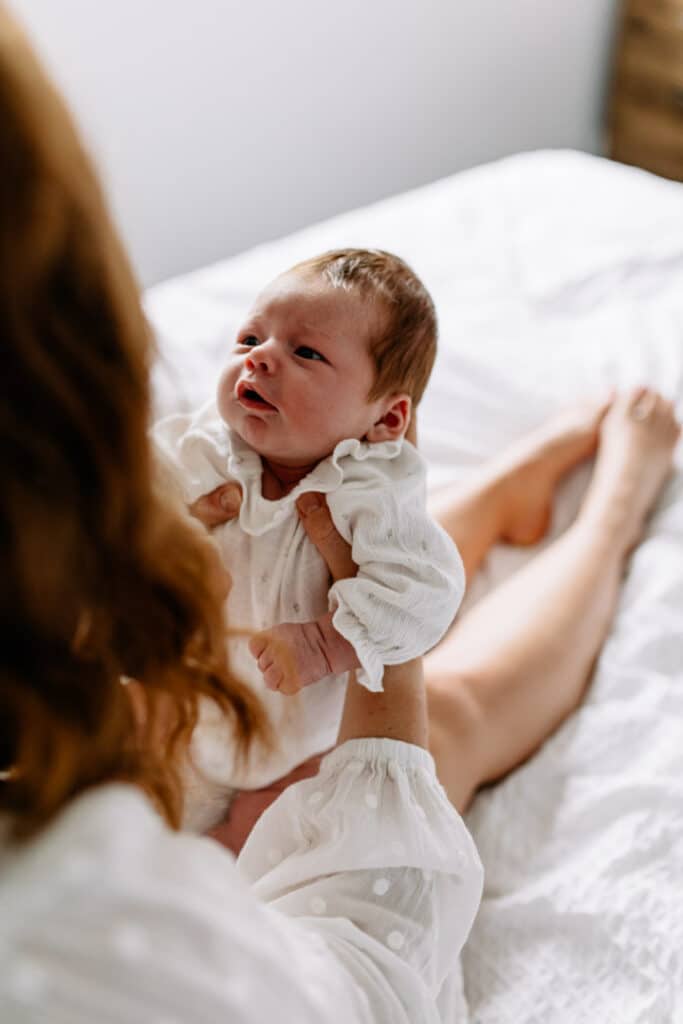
pixel 400 711
pixel 219 506
pixel 317 522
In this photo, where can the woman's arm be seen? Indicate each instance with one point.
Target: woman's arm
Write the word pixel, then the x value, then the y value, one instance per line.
pixel 400 711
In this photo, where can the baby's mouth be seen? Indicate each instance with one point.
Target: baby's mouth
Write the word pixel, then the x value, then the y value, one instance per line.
pixel 250 398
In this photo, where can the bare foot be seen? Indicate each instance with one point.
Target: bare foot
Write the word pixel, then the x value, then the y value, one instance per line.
pixel 510 499
pixel 637 441
pixel 531 469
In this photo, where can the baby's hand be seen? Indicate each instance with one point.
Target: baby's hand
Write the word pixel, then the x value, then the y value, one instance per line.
pixel 296 654
pixel 290 656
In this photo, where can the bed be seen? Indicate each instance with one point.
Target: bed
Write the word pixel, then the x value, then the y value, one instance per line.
pixel 555 275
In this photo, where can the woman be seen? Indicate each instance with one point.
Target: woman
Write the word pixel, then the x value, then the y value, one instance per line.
pixel 112 630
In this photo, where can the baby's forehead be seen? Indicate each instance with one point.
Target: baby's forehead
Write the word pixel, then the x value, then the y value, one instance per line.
pixel 301 285
pixel 305 295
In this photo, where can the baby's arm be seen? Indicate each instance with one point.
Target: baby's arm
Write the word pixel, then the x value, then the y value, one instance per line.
pixel 296 654
pixel 410 578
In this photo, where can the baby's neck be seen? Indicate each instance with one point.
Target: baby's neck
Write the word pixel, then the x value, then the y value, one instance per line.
pixel 278 480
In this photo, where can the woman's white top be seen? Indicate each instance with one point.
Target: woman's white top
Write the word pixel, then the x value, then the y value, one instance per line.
pixel 409 584
pixel 349 903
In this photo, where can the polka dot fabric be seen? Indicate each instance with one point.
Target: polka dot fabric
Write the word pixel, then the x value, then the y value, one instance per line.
pixel 377 811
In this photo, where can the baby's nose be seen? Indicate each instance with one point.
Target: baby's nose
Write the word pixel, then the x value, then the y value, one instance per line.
pixel 262 357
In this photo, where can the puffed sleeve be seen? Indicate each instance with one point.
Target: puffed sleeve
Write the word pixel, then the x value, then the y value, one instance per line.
pixel 372 858
pixel 410 579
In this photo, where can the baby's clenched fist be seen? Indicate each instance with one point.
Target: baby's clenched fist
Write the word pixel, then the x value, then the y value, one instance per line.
pixel 296 654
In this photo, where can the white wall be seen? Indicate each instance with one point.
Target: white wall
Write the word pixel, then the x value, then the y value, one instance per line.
pixel 219 124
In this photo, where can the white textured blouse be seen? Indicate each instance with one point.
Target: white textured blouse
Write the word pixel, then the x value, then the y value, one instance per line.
pixel 409 584
pixel 350 903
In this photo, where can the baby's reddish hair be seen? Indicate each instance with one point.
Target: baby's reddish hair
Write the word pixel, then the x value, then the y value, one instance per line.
pixel 404 348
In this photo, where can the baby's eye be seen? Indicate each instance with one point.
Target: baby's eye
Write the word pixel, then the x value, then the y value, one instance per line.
pixel 309 353
pixel 249 340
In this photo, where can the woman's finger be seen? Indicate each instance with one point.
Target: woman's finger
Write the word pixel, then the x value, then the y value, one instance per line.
pixel 317 522
pixel 219 506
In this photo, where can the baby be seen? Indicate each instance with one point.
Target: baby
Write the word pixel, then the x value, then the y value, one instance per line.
pixel 317 394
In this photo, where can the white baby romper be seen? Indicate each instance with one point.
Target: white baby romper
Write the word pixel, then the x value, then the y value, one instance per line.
pixel 404 597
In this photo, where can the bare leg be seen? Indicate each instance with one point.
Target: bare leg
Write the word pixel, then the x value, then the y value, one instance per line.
pixel 513 668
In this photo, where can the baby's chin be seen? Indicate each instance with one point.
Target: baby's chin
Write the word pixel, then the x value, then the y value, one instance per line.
pixel 292 452
pixel 285 455
pixel 291 455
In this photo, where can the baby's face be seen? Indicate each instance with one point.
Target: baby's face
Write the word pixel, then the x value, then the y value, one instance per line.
pixel 300 372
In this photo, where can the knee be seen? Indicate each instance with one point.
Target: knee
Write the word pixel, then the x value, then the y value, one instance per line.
pixel 450 702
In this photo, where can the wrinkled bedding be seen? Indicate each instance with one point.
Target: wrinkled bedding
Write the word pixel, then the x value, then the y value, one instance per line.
pixel 556 275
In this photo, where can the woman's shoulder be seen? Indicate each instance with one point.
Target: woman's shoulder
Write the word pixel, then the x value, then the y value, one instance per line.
pixel 109 837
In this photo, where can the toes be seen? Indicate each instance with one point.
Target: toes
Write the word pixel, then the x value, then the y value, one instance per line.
pixel 647 406
pixel 642 403
pixel 635 395
pixel 605 405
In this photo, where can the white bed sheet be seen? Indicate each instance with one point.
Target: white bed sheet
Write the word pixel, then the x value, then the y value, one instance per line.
pixel 556 275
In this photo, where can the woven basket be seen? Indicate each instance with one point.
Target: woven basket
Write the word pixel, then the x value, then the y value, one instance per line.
pixel 645 118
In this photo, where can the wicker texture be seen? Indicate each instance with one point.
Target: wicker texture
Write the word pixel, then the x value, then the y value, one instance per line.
pixel 645 123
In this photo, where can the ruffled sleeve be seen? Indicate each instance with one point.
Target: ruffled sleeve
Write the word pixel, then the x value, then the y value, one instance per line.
pixel 410 579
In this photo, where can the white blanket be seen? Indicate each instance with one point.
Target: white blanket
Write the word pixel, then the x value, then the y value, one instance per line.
pixel 556 275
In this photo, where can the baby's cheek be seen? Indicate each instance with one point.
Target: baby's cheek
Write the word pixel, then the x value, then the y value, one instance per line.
pixel 225 393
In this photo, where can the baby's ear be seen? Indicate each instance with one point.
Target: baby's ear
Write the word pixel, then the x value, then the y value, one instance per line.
pixel 394 420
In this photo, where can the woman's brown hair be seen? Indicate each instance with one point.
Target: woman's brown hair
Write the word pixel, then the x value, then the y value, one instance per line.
pixel 102 578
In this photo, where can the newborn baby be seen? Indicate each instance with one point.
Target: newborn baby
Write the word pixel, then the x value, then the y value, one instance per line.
pixel 317 395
